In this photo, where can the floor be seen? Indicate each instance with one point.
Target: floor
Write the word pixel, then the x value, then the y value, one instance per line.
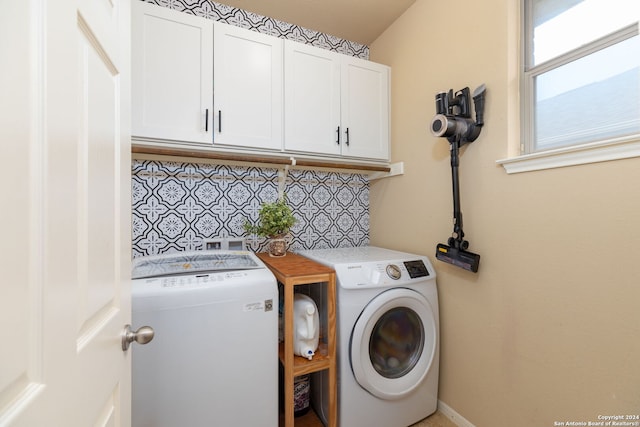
pixel 435 420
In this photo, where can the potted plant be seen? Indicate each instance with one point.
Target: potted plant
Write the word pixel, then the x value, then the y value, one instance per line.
pixel 275 219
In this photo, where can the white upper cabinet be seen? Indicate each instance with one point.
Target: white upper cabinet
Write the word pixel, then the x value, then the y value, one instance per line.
pixel 311 99
pixel 364 108
pixel 225 88
pixel 248 79
pixel 335 104
pixel 172 69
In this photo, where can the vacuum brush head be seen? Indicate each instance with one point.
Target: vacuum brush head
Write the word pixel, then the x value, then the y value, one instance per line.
pixel 458 257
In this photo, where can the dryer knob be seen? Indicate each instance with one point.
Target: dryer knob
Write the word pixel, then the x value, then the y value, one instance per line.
pixel 393 271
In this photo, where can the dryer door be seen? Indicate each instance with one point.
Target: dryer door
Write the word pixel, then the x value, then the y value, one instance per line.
pixel 393 343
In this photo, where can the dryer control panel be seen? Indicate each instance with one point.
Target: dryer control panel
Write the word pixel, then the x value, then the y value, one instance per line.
pixel 416 269
pixel 374 267
pixel 380 274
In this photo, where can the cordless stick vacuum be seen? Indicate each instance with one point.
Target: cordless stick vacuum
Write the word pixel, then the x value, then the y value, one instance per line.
pixel 453 121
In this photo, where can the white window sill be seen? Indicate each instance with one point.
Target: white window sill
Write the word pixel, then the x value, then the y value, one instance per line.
pixel 603 151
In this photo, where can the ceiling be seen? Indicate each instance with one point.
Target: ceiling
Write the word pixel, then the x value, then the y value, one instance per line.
pixel 360 21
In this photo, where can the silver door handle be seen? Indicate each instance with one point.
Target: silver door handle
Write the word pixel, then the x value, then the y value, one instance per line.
pixel 142 336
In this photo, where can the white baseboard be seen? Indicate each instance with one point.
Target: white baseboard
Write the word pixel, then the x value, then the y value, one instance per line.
pixel 455 417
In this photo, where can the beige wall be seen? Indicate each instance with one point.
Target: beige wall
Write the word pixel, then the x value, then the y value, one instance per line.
pixel 549 328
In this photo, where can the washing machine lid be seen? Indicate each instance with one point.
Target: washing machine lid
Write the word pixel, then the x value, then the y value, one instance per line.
pixel 393 343
pixel 193 262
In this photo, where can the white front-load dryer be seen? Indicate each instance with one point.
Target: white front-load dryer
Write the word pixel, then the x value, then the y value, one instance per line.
pixel 388 337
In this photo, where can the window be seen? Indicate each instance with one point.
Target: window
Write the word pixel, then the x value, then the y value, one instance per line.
pixel 581 79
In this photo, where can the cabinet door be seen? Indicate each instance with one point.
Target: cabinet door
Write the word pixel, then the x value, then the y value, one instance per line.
pixel 248 78
pixel 172 74
pixel 365 109
pixel 311 99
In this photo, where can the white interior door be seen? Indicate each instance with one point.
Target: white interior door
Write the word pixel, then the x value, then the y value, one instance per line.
pixel 65 251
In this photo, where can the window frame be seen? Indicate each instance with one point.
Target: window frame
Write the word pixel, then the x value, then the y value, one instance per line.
pixel 568 155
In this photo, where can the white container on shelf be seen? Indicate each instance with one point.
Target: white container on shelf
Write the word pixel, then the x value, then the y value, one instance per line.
pixel 306 325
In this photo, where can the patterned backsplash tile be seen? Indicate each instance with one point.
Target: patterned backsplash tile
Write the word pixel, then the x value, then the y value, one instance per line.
pixel 177 205
pixel 262 24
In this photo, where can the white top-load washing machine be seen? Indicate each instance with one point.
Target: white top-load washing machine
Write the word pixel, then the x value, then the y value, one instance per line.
pixel 214 358
pixel 388 337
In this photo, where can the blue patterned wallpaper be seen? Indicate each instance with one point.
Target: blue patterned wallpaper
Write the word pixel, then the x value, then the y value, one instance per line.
pixel 176 205
pixel 262 24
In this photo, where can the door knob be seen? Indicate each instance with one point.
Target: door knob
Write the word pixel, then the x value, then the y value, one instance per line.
pixel 142 336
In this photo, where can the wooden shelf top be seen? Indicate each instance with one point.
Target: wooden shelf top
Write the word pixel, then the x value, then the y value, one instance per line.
pixel 294 265
pixel 140 147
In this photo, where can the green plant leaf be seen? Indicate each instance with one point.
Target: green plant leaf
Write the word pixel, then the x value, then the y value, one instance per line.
pixel 274 219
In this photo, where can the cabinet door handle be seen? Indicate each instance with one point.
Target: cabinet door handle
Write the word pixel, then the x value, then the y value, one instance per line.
pixel 347 140
pixel 338 136
pixel 206 120
pixel 219 121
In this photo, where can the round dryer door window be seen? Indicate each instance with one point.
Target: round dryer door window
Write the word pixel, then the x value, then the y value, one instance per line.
pixel 393 343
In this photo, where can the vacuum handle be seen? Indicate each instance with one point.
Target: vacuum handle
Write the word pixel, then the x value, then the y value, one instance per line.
pixel 478 103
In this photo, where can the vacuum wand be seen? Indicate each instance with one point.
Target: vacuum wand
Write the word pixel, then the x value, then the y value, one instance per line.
pixel 453 121
pixel 457 213
pixel 455 252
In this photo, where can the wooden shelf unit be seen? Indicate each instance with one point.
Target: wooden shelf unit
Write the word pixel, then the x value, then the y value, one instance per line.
pixel 292 270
